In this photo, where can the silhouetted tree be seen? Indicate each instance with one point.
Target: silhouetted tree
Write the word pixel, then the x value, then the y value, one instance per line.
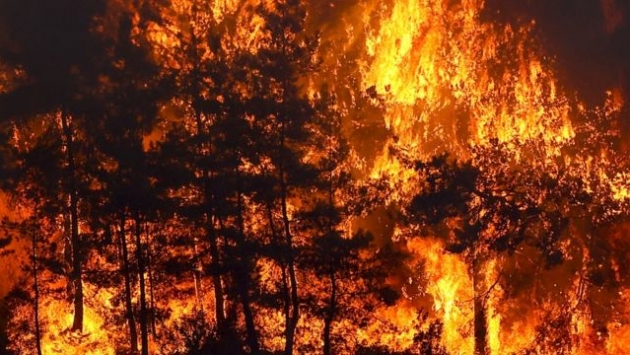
pixel 286 118
pixel 346 266
pixel 124 195
pixel 61 57
pixel 203 87
pixel 493 205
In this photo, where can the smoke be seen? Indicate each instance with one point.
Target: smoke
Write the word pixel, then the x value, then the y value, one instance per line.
pixel 587 39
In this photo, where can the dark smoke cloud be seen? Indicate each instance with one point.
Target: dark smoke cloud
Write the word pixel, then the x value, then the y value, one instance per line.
pixel 589 40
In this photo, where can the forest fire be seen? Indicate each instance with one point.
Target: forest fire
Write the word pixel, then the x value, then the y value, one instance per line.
pixel 314 177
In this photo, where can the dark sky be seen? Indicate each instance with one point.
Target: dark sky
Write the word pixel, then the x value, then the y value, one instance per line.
pixel 588 39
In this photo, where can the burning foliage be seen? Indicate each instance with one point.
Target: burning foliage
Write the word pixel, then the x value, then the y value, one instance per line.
pixel 286 177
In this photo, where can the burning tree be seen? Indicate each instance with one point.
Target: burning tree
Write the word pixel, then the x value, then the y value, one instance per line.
pixel 493 205
pixel 199 174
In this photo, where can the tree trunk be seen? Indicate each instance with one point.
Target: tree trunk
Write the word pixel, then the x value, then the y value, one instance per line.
pixel 151 291
pixel 215 270
pixel 283 267
pixel 332 301
pixel 215 265
pixel 197 269
pixel 295 301
pixel 479 308
pixel 330 314
pixel 252 334
pixel 144 331
pixel 242 281
pixel 77 273
pixel 287 296
pixel 4 331
pixel 38 342
pixel 131 322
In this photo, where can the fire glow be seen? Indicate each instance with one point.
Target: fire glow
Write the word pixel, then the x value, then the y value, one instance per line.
pixel 286 177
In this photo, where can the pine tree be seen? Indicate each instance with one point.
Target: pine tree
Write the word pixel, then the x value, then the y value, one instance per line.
pixel 285 117
pixel 495 209
pixel 61 60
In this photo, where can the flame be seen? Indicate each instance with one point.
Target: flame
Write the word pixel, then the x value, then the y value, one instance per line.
pixel 403 318
pixel 451 290
pixel 446 81
pixel 56 318
pixel 447 77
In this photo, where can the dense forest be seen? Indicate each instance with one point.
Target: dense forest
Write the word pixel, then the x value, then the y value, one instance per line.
pixel 239 177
